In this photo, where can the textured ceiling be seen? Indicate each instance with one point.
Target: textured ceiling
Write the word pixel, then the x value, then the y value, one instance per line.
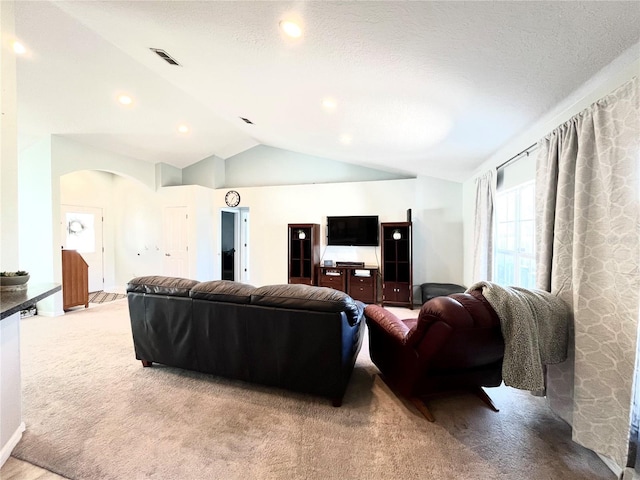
pixel 429 88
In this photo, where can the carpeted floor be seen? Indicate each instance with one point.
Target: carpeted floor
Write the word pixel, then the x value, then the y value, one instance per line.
pixel 93 412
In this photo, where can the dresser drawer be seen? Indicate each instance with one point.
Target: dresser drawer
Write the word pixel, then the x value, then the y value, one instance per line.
pixel 364 293
pixel 358 281
pixel 332 281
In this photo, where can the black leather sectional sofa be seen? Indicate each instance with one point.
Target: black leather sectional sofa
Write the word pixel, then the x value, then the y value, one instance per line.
pixel 296 337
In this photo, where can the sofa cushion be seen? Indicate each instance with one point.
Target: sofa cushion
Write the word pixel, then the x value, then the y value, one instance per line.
pixel 159 285
pixel 223 291
pixel 306 297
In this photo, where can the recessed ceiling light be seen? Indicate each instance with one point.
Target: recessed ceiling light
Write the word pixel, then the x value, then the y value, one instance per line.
pixel 291 28
pixel 19 48
pixel 183 129
pixel 345 139
pixel 329 104
pixel 125 100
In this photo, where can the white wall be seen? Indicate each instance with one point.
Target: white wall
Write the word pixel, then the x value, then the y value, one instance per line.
pixel 135 223
pixel 90 188
pixel 263 165
pixel 209 172
pixel 40 169
pixel 133 216
pixel 68 156
pixel 11 425
pixel 436 211
pixel 618 72
pixel 8 143
pixel 138 229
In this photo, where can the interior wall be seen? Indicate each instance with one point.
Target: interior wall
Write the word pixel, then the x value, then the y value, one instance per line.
pixel 263 165
pixel 67 156
pixel 89 188
pixel 136 226
pixel 208 172
pixel 436 213
pixel 9 221
pixel 138 229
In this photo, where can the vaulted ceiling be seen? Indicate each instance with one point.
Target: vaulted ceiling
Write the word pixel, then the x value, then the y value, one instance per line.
pixel 430 88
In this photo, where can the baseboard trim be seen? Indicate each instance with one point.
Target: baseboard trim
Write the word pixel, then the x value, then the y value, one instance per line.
pixel 613 466
pixel 46 313
pixel 6 450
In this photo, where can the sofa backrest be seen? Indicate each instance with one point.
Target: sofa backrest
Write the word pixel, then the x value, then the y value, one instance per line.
pixel 289 296
pixel 223 291
pixel 306 297
pixel 160 285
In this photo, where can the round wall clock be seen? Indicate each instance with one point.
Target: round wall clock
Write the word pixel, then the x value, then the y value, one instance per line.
pixel 232 198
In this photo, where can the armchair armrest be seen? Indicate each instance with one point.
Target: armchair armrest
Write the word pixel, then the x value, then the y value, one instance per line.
pixel 388 322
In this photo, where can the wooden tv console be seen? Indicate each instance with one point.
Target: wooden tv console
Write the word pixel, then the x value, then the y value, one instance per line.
pixel 360 283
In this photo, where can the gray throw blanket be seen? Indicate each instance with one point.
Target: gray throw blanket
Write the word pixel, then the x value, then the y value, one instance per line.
pixel 535 326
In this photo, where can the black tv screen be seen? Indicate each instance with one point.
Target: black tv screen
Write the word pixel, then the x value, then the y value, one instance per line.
pixel 361 231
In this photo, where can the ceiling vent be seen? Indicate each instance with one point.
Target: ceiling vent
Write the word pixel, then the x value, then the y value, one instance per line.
pixel 165 56
pixel 246 120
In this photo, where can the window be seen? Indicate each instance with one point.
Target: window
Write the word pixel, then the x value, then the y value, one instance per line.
pixel 514 259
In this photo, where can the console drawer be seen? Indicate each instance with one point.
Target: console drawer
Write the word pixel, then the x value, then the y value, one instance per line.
pixel 358 281
pixel 332 281
pixel 364 293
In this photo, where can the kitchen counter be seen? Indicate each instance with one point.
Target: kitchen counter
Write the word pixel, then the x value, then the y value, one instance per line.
pixel 12 302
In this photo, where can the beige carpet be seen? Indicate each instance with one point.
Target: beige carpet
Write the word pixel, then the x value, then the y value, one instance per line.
pixel 93 412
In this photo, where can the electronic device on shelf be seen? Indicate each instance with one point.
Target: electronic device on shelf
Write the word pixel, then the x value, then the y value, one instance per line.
pixel 362 273
pixel 350 264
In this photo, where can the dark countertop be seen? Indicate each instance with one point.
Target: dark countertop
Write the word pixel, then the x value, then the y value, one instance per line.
pixel 12 302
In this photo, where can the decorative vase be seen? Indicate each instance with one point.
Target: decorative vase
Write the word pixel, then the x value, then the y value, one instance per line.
pixel 17 280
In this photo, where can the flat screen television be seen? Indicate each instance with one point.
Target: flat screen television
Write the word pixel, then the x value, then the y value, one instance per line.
pixel 360 231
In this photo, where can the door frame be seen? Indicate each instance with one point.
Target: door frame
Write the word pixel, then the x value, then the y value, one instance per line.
pixel 241 242
pixel 98 212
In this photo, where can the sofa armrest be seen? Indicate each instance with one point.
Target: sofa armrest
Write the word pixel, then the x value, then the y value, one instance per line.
pixel 388 322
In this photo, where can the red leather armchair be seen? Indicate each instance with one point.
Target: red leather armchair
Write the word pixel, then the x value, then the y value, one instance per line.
pixel 454 344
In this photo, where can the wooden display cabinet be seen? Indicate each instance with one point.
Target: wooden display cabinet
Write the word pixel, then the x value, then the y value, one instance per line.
pixel 304 252
pixel 397 264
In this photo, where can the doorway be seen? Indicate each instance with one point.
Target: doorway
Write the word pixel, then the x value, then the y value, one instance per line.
pixel 234 244
pixel 82 232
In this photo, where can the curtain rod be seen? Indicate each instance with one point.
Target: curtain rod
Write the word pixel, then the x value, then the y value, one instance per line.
pixel 512 159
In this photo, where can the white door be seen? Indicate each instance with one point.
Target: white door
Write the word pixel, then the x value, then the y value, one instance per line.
pixel 82 231
pixel 175 242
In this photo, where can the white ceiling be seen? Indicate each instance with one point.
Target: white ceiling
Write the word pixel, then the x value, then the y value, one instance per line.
pixel 430 88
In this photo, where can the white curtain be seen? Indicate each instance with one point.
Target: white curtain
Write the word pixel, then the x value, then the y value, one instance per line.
pixel 483 227
pixel 588 252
